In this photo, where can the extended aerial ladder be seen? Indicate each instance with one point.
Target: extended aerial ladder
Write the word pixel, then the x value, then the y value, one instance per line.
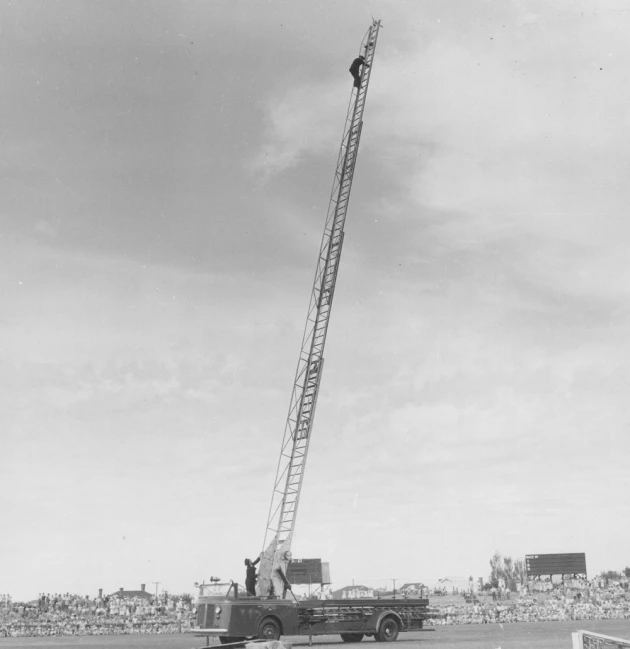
pixel 297 433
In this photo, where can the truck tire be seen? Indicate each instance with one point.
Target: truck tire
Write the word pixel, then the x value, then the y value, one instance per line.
pixel 269 629
pixel 388 631
pixel 352 637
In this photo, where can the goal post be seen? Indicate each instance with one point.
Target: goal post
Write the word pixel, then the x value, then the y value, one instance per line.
pixel 592 640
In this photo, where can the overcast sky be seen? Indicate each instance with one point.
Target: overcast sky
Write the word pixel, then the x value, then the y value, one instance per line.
pixel 165 169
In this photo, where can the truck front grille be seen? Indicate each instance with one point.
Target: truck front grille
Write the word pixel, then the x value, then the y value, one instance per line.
pixel 205 615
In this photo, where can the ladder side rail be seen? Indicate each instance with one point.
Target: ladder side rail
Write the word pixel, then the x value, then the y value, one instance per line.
pixel 345 175
pixel 347 168
pixel 323 315
pixel 340 222
pixel 307 340
pixel 290 469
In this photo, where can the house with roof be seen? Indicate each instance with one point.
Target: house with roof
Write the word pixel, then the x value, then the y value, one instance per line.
pixel 128 594
pixel 414 589
pixel 353 592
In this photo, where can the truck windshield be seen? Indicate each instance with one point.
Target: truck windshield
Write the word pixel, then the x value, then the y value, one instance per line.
pixel 214 590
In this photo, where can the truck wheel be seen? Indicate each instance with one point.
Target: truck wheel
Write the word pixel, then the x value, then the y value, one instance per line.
pixel 388 631
pixel 352 637
pixel 269 629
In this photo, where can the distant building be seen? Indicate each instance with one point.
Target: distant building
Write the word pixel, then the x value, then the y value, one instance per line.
pixel 353 592
pixel 414 589
pixel 359 593
pixel 445 585
pixel 124 594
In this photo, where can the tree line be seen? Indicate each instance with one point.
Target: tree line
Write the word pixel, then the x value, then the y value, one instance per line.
pixel 507 570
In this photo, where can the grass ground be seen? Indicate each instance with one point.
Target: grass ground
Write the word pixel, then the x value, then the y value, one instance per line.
pixel 532 635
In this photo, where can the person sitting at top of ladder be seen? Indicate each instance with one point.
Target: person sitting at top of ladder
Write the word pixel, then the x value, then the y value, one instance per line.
pixel 354 70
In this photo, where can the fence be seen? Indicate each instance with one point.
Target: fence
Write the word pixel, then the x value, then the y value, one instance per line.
pixel 591 640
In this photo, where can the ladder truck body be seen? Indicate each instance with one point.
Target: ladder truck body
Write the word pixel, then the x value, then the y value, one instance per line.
pixel 226 610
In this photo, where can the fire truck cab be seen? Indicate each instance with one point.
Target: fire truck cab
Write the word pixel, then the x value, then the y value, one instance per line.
pixel 226 611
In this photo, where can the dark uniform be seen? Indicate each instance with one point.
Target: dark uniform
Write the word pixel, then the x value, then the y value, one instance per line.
pixel 354 70
pixel 250 578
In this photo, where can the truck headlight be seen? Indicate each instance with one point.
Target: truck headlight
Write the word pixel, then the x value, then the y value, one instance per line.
pixel 217 610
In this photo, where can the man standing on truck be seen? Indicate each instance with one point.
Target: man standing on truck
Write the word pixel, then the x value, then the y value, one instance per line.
pixel 250 578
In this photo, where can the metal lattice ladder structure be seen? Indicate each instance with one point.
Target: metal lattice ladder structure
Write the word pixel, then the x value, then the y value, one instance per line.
pixel 297 433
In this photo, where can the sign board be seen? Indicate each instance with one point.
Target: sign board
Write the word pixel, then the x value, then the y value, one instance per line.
pixel 555 564
pixel 308 571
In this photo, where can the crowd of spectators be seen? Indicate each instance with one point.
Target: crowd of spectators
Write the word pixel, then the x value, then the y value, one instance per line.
pixel 69 614
pixel 589 601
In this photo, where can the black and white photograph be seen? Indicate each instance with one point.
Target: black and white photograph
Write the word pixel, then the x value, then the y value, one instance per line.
pixel 314 324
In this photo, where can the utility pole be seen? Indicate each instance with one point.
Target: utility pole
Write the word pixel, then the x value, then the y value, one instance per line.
pixel 157 583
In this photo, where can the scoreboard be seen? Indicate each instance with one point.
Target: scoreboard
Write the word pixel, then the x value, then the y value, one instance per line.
pixel 308 571
pixel 555 564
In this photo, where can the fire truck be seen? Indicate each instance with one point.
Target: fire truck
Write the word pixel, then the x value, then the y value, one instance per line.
pixel 227 611
pixel 235 617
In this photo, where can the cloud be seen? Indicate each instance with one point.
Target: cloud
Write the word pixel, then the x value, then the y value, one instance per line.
pixel 298 126
pixel 45 228
pixel 511 142
pixel 475 367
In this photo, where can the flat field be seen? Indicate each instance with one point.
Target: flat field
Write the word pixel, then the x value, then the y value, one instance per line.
pixel 534 635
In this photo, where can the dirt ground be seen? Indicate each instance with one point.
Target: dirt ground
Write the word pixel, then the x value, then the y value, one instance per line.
pixel 534 635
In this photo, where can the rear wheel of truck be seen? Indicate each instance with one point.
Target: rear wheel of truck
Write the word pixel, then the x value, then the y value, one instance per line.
pixel 352 637
pixel 388 631
pixel 269 629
